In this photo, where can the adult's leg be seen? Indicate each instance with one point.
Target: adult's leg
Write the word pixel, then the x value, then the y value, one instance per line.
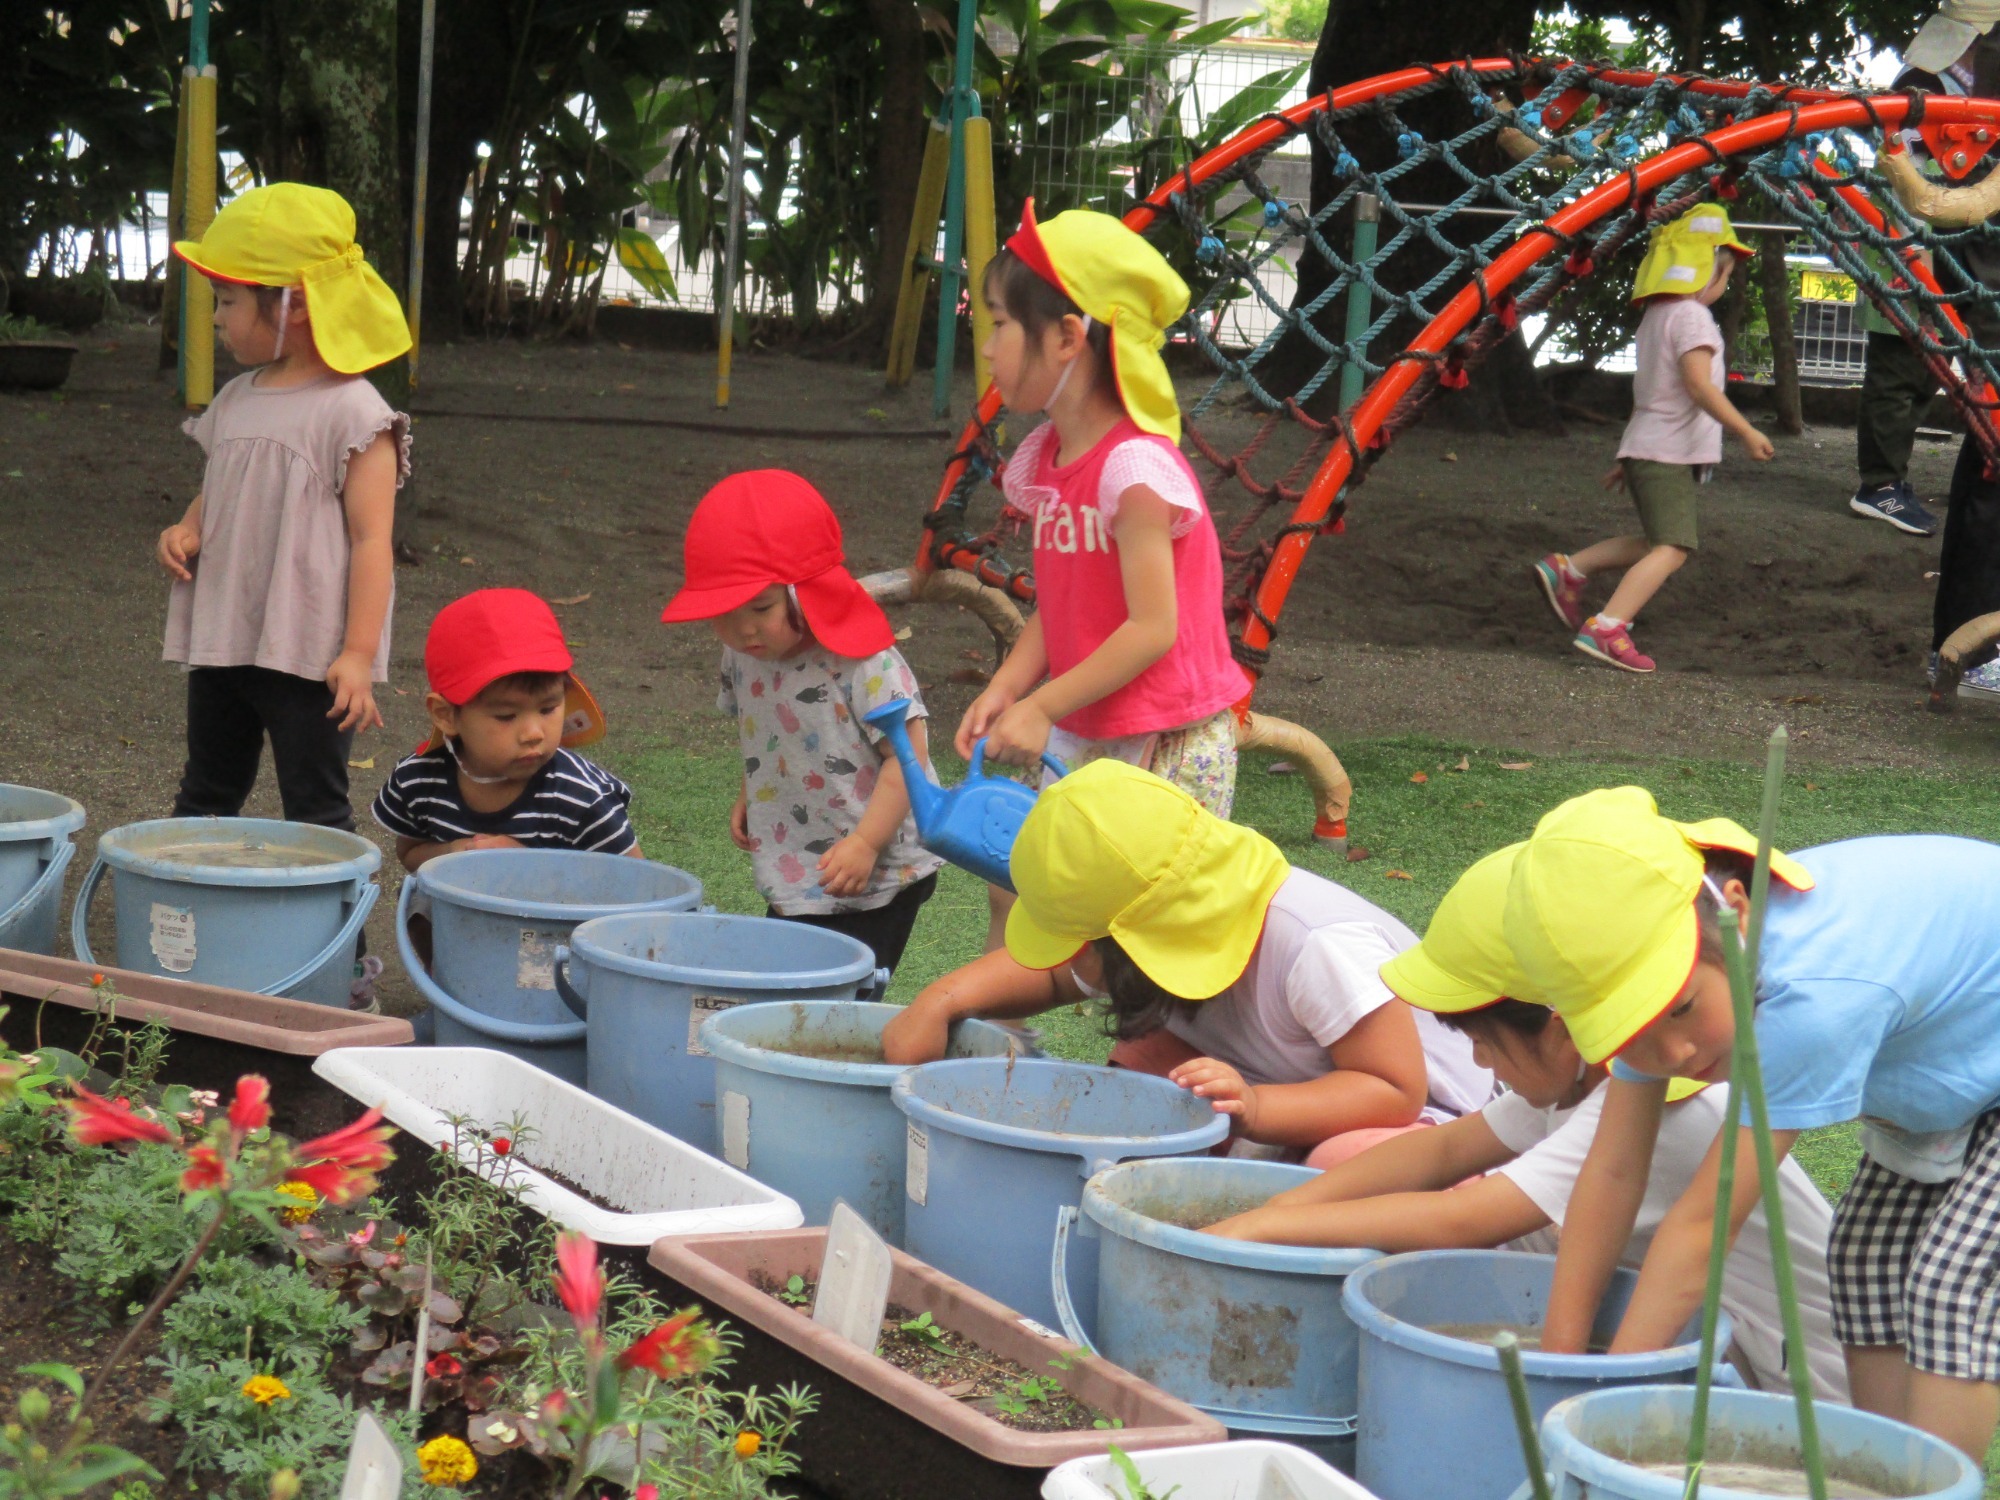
pixel 1878 1378
pixel 1951 1307
pixel 225 736
pixel 1962 1412
pixel 308 751
pixel 1969 560
pixel 1896 386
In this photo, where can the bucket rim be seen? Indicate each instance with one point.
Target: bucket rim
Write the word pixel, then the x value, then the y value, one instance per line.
pixel 1050 1142
pixel 112 849
pixel 434 882
pixel 1370 1319
pixel 1128 1223
pixel 1596 1467
pixel 755 1059
pixel 64 816
pixel 590 947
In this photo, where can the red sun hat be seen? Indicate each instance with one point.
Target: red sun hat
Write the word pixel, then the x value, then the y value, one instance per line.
pixel 494 633
pixel 770 526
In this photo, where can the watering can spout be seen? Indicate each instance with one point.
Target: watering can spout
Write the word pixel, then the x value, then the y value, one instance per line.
pixel 927 798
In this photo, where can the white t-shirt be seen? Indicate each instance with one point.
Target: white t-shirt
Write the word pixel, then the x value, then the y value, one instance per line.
pixel 1666 426
pixel 1312 977
pixel 1553 1144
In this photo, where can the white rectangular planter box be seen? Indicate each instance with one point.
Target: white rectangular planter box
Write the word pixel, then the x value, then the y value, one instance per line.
pixel 1252 1469
pixel 670 1187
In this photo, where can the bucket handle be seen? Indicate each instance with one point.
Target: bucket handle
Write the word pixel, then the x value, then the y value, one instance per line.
pixel 79 916
pixel 1067 1217
pixel 52 874
pixel 435 995
pixel 577 1000
pixel 350 931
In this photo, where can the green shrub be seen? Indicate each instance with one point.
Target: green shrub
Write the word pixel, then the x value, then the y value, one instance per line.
pixel 122 1229
pixel 293 1326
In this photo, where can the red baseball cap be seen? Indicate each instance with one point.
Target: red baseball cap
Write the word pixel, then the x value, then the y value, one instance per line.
pixel 770 526
pixel 494 633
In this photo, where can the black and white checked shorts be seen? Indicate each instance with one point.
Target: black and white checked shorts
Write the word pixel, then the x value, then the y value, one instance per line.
pixel 1918 1263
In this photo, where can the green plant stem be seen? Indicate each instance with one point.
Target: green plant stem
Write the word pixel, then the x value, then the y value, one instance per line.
pixel 158 1305
pixel 1509 1350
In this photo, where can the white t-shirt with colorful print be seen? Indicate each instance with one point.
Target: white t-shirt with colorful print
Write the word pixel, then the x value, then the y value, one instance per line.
pixel 810 765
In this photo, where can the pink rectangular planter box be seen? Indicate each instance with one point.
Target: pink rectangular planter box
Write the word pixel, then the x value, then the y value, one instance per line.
pixel 882 1434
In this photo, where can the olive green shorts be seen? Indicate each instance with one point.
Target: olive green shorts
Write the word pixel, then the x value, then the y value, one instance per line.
pixel 1664 495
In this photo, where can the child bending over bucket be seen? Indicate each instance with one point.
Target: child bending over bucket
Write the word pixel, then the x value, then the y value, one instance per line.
pixel 1877 987
pixel 1248 982
pixel 1424 1191
pixel 806 653
pixel 1673 441
pixel 500 770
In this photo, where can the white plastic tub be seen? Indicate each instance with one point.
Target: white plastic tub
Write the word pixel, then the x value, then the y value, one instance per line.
pixel 1249 1470
pixel 669 1186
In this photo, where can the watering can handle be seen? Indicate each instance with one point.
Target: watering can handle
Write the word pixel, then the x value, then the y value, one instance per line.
pixel 1072 1326
pixel 79 917
pixel 574 998
pixel 979 761
pixel 345 939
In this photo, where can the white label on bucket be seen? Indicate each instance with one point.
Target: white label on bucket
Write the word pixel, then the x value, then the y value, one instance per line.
pixel 700 1008
pixel 535 960
pixel 917 1176
pixel 173 937
pixel 736 1129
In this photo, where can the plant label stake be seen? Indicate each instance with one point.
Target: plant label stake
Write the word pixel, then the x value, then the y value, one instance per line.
pixel 374 1468
pixel 853 1280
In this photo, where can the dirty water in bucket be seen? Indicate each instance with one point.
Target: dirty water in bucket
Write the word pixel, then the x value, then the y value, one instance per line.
pixel 1200 1213
pixel 1770 1479
pixel 244 854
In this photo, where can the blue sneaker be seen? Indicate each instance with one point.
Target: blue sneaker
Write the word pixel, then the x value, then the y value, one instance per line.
pixel 1981 682
pixel 1896 504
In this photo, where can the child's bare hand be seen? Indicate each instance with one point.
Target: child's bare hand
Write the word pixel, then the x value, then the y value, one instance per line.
pixel 844 869
pixel 1614 477
pixel 350 677
pixel 1758 446
pixel 491 841
pixel 1222 1086
pixel 739 825
pixel 980 718
pixel 176 550
pixel 1020 735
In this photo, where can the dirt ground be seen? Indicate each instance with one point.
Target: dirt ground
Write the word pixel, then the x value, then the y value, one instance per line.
pixel 555 468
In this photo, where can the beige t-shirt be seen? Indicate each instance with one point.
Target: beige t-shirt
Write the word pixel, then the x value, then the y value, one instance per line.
pixel 270 582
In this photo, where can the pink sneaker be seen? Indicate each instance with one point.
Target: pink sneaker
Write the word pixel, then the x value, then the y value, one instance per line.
pixel 1612 644
pixel 1564 587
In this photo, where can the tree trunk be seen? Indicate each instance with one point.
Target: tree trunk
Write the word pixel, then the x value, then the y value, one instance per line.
pixel 1776 284
pixel 900 133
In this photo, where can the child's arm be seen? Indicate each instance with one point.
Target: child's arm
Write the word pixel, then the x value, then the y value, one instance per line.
pixel 416 852
pixel 1603 1208
pixel 1378 1079
pixel 1479 1215
pixel 844 869
pixel 1675 1274
pixel 369 499
pixel 739 819
pixel 180 542
pixel 1695 365
pixel 995 987
pixel 1143 531
pixel 1025 666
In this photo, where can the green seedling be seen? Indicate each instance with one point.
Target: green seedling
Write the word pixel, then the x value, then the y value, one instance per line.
pixel 1136 1487
pixel 924 1331
pixel 795 1292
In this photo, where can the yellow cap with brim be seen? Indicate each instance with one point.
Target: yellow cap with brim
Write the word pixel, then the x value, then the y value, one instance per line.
pixel 1463 962
pixel 1114 851
pixel 289 234
pixel 1600 910
pixel 1680 259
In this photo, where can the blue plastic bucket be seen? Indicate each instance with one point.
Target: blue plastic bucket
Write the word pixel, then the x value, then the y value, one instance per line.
pixel 35 850
pixel 1435 1417
pixel 1629 1445
pixel 497 917
pixel 1254 1335
pixel 246 903
pixel 802 1097
pixel 646 984
pixel 995 1147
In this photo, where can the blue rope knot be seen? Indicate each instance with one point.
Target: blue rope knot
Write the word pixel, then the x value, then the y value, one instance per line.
pixel 1581 146
pixel 1344 165
pixel 1274 211
pixel 1530 119
pixel 1408 144
pixel 1209 250
pixel 1623 148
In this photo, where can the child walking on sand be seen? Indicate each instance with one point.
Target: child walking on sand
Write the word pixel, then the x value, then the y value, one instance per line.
pixel 806 653
pixel 1673 440
pixel 283 576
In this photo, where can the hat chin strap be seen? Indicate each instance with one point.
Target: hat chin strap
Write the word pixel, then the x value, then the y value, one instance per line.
pixel 278 353
pixel 466 771
pixel 1068 370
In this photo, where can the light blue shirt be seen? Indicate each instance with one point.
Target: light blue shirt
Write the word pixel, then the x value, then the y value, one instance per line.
pixel 1878 992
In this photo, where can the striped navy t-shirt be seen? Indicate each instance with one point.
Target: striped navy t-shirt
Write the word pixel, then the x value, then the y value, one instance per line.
pixel 568 804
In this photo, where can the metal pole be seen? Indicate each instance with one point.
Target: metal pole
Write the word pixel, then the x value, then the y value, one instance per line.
pixel 420 193
pixel 951 273
pixel 197 60
pixel 1360 301
pixel 725 284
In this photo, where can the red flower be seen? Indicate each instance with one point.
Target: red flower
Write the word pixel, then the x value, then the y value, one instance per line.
pixel 443 1367
pixel 206 1169
pixel 679 1346
pixel 555 1404
pixel 341 1167
pixel 501 1145
pixel 579 1282
pixel 96 1121
pixel 251 1108
pixel 646 1492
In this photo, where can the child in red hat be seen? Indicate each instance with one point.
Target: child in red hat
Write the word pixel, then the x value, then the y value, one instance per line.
pixel 499 773
pixel 823 813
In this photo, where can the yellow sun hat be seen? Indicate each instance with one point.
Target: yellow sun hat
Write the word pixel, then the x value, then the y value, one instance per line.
pixel 1680 258
pixel 1463 962
pixel 1123 283
pixel 1601 915
pixel 288 234
pixel 1114 851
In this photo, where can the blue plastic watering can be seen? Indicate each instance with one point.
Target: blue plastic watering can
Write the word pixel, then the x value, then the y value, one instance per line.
pixel 972 824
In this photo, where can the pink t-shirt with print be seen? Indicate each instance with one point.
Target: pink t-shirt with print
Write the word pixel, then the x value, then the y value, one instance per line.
pixel 1666 426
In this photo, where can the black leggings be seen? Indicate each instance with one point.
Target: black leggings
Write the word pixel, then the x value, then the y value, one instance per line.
pixel 1969 562
pixel 230 711
pixel 885 929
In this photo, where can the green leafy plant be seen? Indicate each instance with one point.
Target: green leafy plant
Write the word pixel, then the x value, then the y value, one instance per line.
pixel 472 1228
pixel 123 1230
pixel 794 1291
pixel 1136 1487
pixel 922 1329
pixel 44 1457
pixel 276 1316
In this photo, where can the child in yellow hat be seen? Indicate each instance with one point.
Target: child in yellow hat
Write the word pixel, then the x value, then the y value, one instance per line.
pixel 1220 966
pixel 283 575
pixel 1673 441
pixel 1425 1191
pixel 1877 988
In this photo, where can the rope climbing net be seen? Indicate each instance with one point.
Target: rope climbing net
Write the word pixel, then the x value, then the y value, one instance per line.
pixel 1542 172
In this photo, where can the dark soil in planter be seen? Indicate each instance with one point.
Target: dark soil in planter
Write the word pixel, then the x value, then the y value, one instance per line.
pixel 575 1187
pixel 953 1364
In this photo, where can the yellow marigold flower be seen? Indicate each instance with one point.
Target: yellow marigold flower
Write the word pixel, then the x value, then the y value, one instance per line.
pixel 308 1201
pixel 447 1462
pixel 264 1389
pixel 748 1442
